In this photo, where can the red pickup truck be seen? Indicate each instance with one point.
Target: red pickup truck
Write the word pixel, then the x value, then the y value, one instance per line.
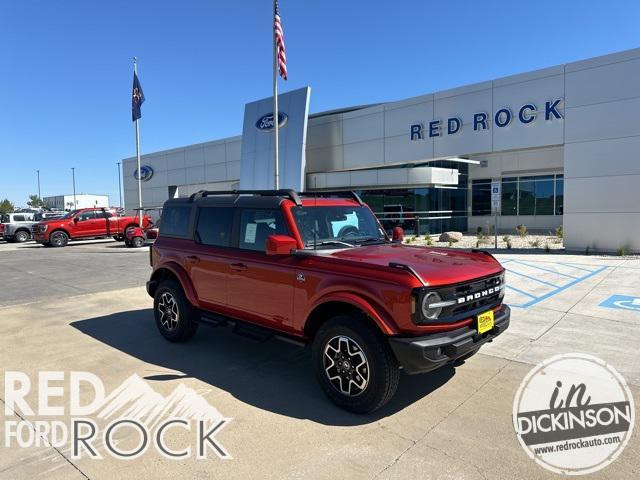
pixel 84 223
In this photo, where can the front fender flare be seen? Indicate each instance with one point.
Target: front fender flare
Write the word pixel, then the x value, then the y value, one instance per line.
pixel 380 318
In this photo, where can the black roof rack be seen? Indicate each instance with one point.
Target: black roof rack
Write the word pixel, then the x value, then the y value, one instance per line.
pixel 340 194
pixel 290 194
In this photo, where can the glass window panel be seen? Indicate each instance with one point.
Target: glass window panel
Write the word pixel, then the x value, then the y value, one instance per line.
pixel 544 197
pixel 481 197
pixel 509 196
pixel 526 197
pixel 214 226
pixel 559 195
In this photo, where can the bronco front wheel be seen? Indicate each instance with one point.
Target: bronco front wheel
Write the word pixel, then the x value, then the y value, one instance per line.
pixel 354 364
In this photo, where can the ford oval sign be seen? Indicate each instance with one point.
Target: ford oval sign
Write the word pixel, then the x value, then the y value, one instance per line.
pixel 146 173
pixel 265 123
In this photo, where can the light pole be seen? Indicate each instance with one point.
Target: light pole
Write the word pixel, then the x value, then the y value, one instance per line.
pixel 73 174
pixel 38 172
pixel 119 186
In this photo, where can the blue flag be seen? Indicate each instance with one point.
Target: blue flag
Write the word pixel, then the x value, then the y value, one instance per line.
pixel 137 98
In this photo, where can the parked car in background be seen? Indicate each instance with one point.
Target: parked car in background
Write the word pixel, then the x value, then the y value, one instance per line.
pixel 322 271
pixel 138 237
pixel 84 223
pixel 16 227
pixel 48 215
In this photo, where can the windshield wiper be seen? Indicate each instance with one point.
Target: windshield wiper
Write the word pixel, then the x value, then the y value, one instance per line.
pixel 328 242
pixel 368 240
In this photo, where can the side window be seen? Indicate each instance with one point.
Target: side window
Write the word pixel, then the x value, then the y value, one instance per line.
pixel 107 214
pixel 257 225
pixel 19 218
pixel 214 226
pixel 175 220
pixel 90 215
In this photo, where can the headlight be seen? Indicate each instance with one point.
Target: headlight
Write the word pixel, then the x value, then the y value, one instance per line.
pixel 429 312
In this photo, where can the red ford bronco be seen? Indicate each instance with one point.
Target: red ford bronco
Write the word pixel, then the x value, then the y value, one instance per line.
pixel 319 268
pixel 84 223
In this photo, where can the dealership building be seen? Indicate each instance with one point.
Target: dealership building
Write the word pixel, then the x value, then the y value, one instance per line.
pixel 553 147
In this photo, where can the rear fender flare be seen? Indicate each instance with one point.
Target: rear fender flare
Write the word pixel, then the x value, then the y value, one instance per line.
pixel 185 282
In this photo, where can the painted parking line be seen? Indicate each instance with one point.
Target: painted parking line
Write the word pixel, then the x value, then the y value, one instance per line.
pixel 534 282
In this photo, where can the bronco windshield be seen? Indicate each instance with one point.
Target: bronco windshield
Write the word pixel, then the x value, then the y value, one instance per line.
pixel 337 226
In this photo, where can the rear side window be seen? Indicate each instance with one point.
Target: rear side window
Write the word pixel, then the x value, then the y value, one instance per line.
pixel 175 220
pixel 257 225
pixel 19 218
pixel 214 226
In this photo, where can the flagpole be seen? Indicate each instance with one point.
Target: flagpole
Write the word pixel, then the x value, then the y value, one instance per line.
pixel 275 105
pixel 135 71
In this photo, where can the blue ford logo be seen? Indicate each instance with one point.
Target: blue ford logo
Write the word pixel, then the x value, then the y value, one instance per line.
pixel 146 173
pixel 265 123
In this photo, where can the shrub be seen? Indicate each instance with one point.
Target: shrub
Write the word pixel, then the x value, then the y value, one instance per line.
pixel 450 243
pixel 535 243
pixel 560 232
pixel 623 250
pixel 428 239
pixel 522 230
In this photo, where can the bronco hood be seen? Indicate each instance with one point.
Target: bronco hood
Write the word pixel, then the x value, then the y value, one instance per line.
pixel 436 266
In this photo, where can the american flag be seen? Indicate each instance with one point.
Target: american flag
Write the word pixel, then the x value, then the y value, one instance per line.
pixel 279 36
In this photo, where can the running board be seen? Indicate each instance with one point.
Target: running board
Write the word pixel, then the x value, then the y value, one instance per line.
pixel 253 332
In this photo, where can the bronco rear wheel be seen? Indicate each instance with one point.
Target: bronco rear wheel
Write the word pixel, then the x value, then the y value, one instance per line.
pixel 354 364
pixel 175 317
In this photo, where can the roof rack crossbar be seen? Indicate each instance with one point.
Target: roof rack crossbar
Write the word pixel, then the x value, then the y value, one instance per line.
pixel 339 193
pixel 290 194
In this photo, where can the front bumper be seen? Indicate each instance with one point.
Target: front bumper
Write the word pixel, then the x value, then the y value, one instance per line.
pixel 426 353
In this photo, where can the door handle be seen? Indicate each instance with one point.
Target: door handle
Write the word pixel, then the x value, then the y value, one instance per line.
pixel 238 267
pixel 193 259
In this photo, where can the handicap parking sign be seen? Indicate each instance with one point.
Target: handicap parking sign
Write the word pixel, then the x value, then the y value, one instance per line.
pixel 624 302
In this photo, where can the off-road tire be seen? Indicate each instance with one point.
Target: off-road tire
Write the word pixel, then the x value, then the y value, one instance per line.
pixel 382 367
pixel 169 301
pixel 21 236
pixel 58 239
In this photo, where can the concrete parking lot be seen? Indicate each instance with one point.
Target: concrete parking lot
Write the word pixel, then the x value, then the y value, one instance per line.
pixel 85 308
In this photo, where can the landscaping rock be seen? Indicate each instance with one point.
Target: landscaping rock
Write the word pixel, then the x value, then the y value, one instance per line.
pixel 454 237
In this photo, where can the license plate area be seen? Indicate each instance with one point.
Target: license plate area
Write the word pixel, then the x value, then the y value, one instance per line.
pixel 485 321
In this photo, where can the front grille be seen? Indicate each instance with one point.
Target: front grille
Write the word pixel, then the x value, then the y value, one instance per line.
pixel 34 229
pixel 470 289
pixel 473 298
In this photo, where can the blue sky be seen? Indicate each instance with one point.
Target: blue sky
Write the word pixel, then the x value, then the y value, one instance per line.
pixel 66 67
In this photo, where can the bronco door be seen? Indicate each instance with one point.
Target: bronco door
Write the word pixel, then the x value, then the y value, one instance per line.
pixel 261 286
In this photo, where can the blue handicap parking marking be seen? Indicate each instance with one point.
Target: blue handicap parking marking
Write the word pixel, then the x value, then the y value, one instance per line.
pixel 530 282
pixel 624 302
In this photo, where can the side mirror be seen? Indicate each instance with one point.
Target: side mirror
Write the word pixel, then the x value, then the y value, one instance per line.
pixel 75 220
pixel 280 245
pixel 398 234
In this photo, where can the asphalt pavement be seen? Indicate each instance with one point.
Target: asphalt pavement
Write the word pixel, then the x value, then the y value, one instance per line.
pixel 84 308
